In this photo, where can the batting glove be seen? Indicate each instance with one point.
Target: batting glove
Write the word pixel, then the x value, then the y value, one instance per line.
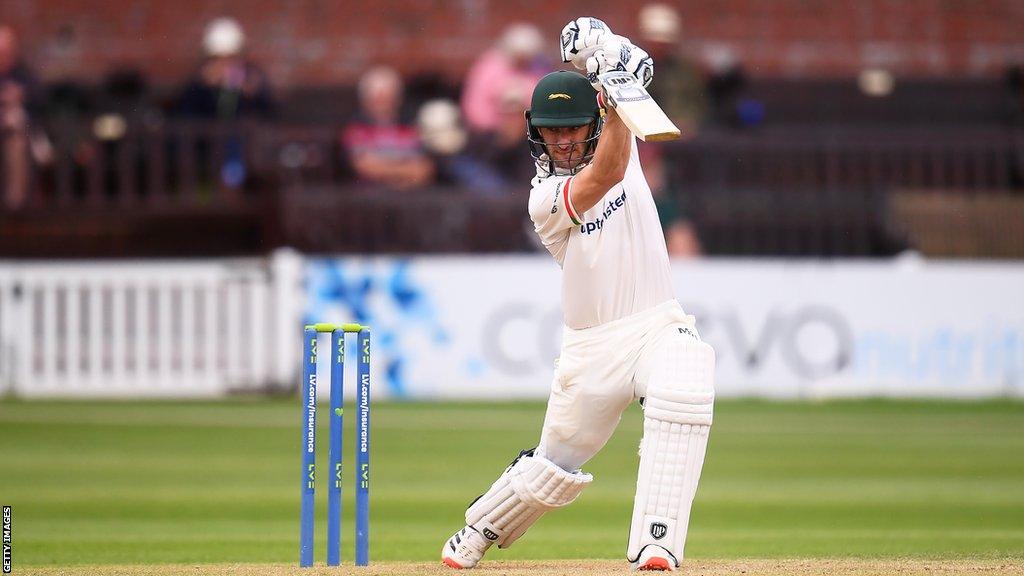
pixel 581 38
pixel 620 55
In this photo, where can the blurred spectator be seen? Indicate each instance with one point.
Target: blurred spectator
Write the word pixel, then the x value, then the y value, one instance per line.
pixel 125 117
pixel 1014 77
pixel 445 139
pixel 678 84
pixel 487 164
pixel 514 63
pixel 382 147
pixel 17 97
pixel 1015 84
pixel 681 236
pixel 681 239
pixel 227 87
pixel 505 148
pixel 726 84
pixel 126 94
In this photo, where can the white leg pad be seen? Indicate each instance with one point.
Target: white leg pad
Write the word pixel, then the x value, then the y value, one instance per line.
pixel 521 495
pixel 677 419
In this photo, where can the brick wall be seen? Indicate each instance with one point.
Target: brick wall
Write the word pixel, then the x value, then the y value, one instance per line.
pixel 324 42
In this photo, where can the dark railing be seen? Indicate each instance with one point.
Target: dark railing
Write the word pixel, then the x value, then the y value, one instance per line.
pixel 350 219
pixel 162 189
pixel 961 159
pixel 152 166
pixel 847 192
pixel 191 188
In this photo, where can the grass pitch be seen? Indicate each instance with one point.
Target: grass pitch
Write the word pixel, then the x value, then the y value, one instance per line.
pixel 139 483
pixel 806 567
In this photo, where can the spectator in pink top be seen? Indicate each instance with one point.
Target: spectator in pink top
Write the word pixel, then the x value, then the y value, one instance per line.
pixel 513 64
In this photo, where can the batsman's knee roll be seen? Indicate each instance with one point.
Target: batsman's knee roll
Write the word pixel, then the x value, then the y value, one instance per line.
pixel 531 486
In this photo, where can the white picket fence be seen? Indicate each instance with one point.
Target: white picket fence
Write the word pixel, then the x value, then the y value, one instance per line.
pixel 199 328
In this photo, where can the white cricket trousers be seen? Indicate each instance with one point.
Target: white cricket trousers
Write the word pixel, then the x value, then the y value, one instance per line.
pixel 599 372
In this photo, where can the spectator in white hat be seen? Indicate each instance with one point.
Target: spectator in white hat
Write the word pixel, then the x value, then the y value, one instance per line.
pixel 679 86
pixel 227 87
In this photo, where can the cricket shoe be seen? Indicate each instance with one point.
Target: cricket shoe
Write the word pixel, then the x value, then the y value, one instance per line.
pixel 654 557
pixel 465 548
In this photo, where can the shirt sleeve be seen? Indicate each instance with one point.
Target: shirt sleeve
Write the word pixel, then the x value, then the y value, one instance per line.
pixel 553 214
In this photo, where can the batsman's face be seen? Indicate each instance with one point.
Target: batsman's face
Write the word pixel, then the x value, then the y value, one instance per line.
pixel 565 144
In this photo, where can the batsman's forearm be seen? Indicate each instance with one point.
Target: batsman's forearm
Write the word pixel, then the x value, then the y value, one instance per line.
pixel 608 167
pixel 612 154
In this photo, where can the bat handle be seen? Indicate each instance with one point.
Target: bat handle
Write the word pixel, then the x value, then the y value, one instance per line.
pixel 605 101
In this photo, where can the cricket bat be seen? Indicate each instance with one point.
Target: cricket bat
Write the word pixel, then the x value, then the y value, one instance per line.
pixel 641 114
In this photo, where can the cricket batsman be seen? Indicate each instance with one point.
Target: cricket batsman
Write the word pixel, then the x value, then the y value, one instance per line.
pixel 625 337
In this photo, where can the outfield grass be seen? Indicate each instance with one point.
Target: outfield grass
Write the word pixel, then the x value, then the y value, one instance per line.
pixel 136 483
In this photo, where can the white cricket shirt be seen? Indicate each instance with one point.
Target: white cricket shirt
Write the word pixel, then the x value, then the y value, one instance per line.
pixel 613 256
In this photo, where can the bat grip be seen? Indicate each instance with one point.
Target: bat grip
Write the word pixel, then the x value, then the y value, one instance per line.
pixel 604 100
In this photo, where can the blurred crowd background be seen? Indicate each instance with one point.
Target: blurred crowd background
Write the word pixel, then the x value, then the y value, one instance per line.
pixel 145 128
